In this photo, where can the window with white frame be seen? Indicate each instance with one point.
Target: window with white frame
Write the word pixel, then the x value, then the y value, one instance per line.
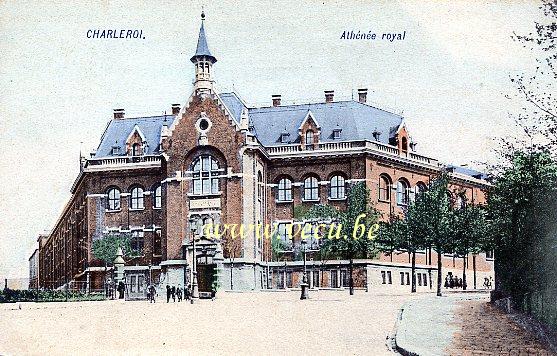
pixel 310 229
pixel 311 189
pixel 284 190
pixel 402 192
pixel 157 197
pixel 113 201
pixel 205 171
pixel 338 185
pixel 309 139
pixel 136 198
pixel 137 241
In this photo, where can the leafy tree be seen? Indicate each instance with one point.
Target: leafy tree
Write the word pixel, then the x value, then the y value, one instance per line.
pixel 106 247
pixel 351 245
pixel 522 214
pixel 429 220
pixel 469 233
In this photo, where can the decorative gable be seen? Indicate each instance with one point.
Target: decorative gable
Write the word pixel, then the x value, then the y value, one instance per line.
pixel 136 143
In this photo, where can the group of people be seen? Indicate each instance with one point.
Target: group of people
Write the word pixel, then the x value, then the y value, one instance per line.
pixel 454 282
pixel 177 292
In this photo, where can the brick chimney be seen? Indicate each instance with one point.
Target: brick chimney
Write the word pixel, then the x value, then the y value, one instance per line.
pixel 118 113
pixel 276 100
pixel 329 96
pixel 175 109
pixel 362 95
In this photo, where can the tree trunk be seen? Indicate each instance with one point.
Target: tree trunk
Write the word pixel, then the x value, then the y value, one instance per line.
pixel 439 272
pixel 474 268
pixel 351 281
pixel 464 273
pixel 414 272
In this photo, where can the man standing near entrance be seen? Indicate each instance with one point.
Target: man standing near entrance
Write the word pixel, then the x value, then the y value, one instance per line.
pixel 167 293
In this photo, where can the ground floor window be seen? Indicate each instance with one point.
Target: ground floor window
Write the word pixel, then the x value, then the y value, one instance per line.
pixel 389 277
pixel 344 277
pixel 315 278
pixel 407 278
pixel 419 279
pixel 384 277
pixel 401 278
pixel 281 284
pixel 289 279
pixel 425 279
pixel 334 279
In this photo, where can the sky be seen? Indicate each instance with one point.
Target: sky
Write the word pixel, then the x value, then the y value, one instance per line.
pixel 448 78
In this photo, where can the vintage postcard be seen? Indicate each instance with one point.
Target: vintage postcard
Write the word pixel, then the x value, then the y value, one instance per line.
pixel 289 177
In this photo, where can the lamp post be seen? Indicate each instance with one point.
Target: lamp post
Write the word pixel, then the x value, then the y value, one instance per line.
pixel 150 274
pixel 195 291
pixel 304 284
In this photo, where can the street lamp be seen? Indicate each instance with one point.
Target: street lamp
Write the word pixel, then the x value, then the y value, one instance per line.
pixel 304 284
pixel 195 291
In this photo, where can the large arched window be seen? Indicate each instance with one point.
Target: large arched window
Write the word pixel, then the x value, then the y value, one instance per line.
pixel 157 197
pixel 284 190
pixel 420 187
pixel 402 192
pixel 113 202
pixel 136 198
pixel 337 190
pixel 311 189
pixel 205 171
pixel 384 188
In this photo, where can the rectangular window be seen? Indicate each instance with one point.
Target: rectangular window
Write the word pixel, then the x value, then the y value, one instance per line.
pixel 316 278
pixel 419 279
pixel 137 242
pixel 334 279
pixel 280 282
pixel 284 236
pixel 345 278
pixel 384 277
pixel 425 279
pixel 401 278
pixel 289 279
pixel 489 254
pixel 389 277
pixel 407 278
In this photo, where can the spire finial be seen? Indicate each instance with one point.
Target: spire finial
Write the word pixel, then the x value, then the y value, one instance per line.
pixel 202 13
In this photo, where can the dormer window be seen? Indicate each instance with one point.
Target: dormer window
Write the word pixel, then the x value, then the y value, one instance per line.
pixel 336 134
pixel 115 150
pixel 376 134
pixel 284 137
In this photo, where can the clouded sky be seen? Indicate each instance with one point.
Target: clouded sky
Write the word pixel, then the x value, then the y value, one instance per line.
pixel 58 88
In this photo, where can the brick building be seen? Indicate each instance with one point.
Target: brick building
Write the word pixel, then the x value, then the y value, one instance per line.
pixel 217 160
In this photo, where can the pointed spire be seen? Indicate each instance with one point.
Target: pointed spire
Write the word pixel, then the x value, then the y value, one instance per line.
pixel 202 46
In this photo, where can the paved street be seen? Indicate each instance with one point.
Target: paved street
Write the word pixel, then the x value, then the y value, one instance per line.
pixel 331 322
pixel 462 324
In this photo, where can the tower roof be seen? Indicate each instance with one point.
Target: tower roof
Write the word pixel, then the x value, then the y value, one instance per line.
pixel 202 47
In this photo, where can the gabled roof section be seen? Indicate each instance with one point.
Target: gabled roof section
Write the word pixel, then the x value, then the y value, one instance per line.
pixel 138 130
pixel 202 46
pixel 234 104
pixel 309 116
pixel 356 120
pixel 118 131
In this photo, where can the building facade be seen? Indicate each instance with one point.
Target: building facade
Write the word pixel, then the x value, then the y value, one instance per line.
pixel 215 160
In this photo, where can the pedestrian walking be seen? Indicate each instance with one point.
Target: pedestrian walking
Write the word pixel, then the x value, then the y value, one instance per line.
pixel 121 288
pixel 168 291
pixel 152 293
pixel 187 292
pixel 179 293
pixel 173 292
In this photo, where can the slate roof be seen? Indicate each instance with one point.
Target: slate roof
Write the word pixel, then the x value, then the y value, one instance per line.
pixel 118 131
pixel 202 46
pixel 356 121
pixel 467 171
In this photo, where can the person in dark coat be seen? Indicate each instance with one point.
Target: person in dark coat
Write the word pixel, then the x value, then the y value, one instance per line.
pixel 152 293
pixel 187 292
pixel 179 293
pixel 168 292
pixel 121 288
pixel 173 292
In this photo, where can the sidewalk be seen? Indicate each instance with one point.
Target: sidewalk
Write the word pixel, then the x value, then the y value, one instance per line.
pixel 461 324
